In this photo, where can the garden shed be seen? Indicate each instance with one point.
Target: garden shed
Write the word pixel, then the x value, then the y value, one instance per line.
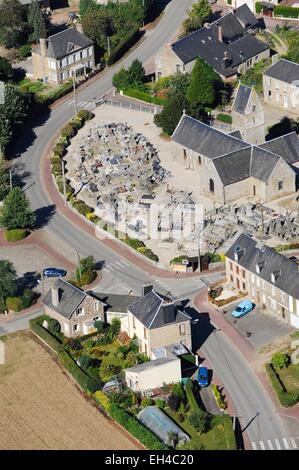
pixel 161 425
pixel 153 374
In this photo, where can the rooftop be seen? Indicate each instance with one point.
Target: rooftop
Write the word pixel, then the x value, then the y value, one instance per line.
pixel 151 364
pixel 66 42
pixel 284 70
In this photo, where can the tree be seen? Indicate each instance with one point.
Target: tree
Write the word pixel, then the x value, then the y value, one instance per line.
pixel 99 325
pixel 94 384
pixel 6 71
pixel 121 79
pixel 173 402
pixel 16 211
pixel 280 360
pixel 12 113
pixel 202 86
pixel 13 27
pixel 179 391
pixel 200 420
pixel 172 112
pixel 53 325
pixel 85 362
pixel 97 25
pixel 36 21
pixel 136 72
pixel 8 282
pixel 199 15
pixel 4 179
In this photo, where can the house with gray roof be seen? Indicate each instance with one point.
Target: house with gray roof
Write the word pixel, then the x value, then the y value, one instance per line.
pixel 281 85
pixel 63 55
pixel 269 278
pixel 230 168
pixel 75 309
pixel 157 322
pixel 228 45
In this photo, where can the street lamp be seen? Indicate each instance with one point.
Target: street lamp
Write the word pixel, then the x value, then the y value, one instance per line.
pixel 73 72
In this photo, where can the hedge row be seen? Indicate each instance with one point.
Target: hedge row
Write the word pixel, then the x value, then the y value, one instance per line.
pixel 140 432
pixel 218 397
pixel 123 46
pixel 79 375
pixel 15 234
pixel 55 94
pixel 35 325
pixel 102 399
pixel 286 11
pixel 258 7
pixel 286 398
pixel 144 96
pixel 194 406
pixel 224 118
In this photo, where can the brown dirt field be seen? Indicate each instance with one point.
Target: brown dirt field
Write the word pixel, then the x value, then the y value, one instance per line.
pixel 41 407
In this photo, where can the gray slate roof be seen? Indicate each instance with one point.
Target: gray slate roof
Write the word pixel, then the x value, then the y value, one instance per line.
pixel 116 302
pixel 70 297
pixel 262 163
pixel 245 16
pixel 66 42
pixel 284 70
pixel 287 146
pixel 205 140
pixel 153 312
pixel 151 364
pixel 242 98
pixel 234 166
pixel 256 253
pixel 236 134
pixel 237 44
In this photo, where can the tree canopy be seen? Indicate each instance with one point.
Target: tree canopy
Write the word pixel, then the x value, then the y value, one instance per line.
pixel 6 71
pixel 8 281
pixel 200 14
pixel 133 77
pixel 16 211
pixel 13 25
pixel 36 21
pixel 4 179
pixel 12 113
pixel 202 86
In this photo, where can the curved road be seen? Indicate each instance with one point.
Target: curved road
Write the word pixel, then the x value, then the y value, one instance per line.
pixel 243 386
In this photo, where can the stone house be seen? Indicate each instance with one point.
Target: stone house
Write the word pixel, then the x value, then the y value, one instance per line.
pixel 270 278
pixel 229 168
pixel 63 55
pixel 281 85
pixel 157 322
pixel 75 309
pixel 227 45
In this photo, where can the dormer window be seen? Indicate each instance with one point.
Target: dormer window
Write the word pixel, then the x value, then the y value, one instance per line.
pixel 238 253
pixel 259 267
pixel 80 311
pixel 274 276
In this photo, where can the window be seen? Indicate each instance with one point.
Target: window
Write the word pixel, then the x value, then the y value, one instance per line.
pixel 273 304
pixel 78 56
pixel 231 266
pixel 134 324
pixel 231 278
pixel 178 68
pixel 243 286
pixel 145 349
pixel 182 329
pixel 269 81
pixel 237 269
pixel 96 318
pixel 80 311
pixel 283 297
pixel 270 95
pixel 211 186
pixel 76 327
pixel 184 153
pixel 280 185
pixel 243 272
pixel 96 305
pixel 84 53
pixel 145 333
pixel 71 59
pixel 252 278
pixel 199 159
pixel 90 51
pixel 64 62
pixel 253 109
pixel 256 57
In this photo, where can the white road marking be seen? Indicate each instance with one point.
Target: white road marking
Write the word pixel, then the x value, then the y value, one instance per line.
pixel 254 446
pixel 293 442
pixel 286 444
pixel 278 446
pixel 262 445
pixel 270 445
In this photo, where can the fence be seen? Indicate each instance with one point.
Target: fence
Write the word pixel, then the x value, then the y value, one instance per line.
pixel 129 105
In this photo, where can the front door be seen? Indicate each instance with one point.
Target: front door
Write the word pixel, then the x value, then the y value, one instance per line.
pixel 253 190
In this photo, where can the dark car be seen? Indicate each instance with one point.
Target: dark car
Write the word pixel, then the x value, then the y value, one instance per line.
pixel 54 272
pixel 203 377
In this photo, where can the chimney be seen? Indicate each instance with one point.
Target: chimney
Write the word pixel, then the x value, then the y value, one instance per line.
pixel 55 296
pixel 43 47
pixel 146 289
pixel 78 27
pixel 220 32
pixel 226 59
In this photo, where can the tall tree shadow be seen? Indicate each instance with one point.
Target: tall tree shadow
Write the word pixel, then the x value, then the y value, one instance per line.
pixel 284 126
pixel 44 215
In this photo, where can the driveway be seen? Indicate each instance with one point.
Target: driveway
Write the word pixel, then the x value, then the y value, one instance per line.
pixel 264 328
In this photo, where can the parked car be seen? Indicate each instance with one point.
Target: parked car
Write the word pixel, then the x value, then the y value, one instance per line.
pixel 203 377
pixel 244 307
pixel 54 272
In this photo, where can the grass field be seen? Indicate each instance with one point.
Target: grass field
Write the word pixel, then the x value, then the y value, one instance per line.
pixel 290 377
pixel 41 408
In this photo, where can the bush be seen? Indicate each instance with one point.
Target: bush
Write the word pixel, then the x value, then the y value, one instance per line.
pixel 258 7
pixel 102 399
pixel 286 11
pixel 28 298
pixel 160 403
pixel 178 390
pixel 53 325
pixel 86 279
pixel 224 118
pixel 36 326
pixel 56 160
pixel 24 51
pixel 144 96
pixel 75 344
pixel 56 168
pixel 173 402
pixel 59 149
pixel 68 131
pixel 99 325
pixel 146 402
pixel 123 46
pixel 14 303
pixel 218 397
pixel 85 115
pixel 81 207
pixel 15 234
pixel 85 362
pixel 94 384
pixel 79 375
pixel 280 360
pixel 200 420
pixel 190 397
pixel 286 398
pixel 140 432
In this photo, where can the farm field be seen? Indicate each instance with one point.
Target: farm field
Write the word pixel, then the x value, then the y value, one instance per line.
pixel 41 407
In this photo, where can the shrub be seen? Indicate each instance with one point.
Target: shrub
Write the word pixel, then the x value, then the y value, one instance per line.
pixel 28 298
pixel 81 207
pixel 160 403
pixel 140 432
pixel 200 420
pixel 14 303
pixel 68 131
pixel 56 160
pixel 59 149
pixel 56 168
pixel 286 11
pixel 15 234
pixel 123 46
pixel 286 398
pixel 178 390
pixel 39 330
pixel 224 118
pixel 86 278
pixel 85 362
pixel 190 396
pixel 75 344
pixel 144 96
pixel 24 51
pixel 173 402
pixel 79 375
pixel 99 325
pixel 258 7
pixel 94 384
pixel 218 397
pixel 146 402
pixel 280 360
pixel 102 399
pixel 53 325
pixel 134 243
pixel 85 115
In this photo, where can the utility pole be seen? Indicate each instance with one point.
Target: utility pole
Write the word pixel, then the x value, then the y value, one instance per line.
pixel 63 181
pixel 108 44
pixel 75 93
pixel 198 247
pixel 143 12
pixel 10 179
pixel 79 264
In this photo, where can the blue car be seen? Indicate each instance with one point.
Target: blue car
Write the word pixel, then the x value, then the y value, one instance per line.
pixel 54 272
pixel 202 377
pixel 244 307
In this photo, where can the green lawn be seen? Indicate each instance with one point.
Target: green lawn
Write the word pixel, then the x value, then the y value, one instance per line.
pixel 32 86
pixel 290 377
pixel 220 437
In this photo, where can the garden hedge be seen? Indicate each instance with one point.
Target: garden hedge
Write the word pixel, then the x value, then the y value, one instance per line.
pixel 286 11
pixel 144 96
pixel 194 406
pixel 102 399
pixel 35 325
pixel 140 432
pixel 286 398
pixel 224 118
pixel 15 234
pixel 79 375
pixel 123 46
pixel 14 303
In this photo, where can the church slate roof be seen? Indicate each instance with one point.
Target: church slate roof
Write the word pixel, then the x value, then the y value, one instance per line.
pixel 234 166
pixel 236 134
pixel 255 253
pixel 242 98
pixel 284 70
pixel 262 163
pixel 287 146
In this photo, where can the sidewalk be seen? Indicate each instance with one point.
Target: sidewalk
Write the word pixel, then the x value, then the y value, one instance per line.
pixel 201 304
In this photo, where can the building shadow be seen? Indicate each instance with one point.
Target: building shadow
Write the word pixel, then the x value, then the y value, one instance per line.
pixel 44 215
pixel 201 327
pixel 284 126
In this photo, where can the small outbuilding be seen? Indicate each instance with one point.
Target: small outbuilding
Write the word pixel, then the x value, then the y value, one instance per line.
pixel 153 374
pixel 160 424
